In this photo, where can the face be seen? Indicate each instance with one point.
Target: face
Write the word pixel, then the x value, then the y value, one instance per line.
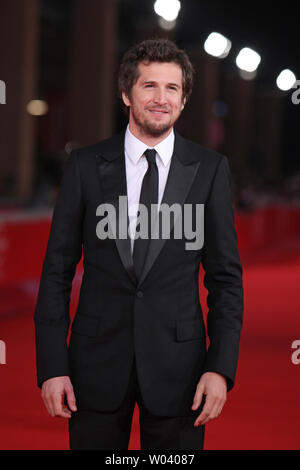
pixel 156 99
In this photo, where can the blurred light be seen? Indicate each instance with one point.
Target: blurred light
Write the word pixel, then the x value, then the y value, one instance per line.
pixel 167 9
pixel 248 60
pixel 166 25
pixel 71 146
pixel 37 107
pixel 247 75
pixel 219 109
pixel 217 45
pixel 286 80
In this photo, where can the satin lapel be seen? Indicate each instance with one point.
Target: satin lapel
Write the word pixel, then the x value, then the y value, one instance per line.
pixel 180 179
pixel 112 174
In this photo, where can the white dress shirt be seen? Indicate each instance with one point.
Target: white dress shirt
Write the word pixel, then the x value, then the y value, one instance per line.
pixel 136 166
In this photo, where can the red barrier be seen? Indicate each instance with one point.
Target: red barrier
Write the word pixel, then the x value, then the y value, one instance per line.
pixel 267 226
pixel 23 243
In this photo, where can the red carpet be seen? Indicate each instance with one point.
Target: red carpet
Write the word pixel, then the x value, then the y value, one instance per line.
pixel 262 411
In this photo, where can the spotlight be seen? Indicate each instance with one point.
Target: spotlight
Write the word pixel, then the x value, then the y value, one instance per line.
pixel 248 60
pixel 217 45
pixel 37 107
pixel 286 80
pixel 167 9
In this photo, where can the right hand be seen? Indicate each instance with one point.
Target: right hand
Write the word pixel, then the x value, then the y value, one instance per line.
pixel 53 394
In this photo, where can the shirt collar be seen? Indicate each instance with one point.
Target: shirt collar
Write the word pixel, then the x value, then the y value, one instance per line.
pixel 135 148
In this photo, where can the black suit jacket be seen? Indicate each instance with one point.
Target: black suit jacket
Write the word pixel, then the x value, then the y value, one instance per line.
pixel 157 319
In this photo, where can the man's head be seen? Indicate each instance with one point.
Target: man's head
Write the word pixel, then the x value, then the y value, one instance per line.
pixel 155 81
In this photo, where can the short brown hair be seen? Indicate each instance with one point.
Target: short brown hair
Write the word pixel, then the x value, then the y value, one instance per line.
pixel 154 50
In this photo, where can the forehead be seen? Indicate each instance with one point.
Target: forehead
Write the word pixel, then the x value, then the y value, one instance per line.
pixel 160 72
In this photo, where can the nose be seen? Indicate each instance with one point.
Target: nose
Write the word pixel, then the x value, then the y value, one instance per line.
pixel 160 96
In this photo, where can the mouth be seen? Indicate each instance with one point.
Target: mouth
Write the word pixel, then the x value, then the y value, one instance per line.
pixel 158 111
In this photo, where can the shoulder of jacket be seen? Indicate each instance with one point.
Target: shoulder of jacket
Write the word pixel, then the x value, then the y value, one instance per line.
pixel 200 152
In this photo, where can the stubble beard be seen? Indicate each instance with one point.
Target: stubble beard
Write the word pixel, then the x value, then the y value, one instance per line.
pixel 151 128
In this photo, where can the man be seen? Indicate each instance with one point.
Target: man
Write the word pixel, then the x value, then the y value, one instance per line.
pixel 138 333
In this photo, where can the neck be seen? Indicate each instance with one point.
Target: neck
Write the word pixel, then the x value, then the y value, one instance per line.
pixel 147 139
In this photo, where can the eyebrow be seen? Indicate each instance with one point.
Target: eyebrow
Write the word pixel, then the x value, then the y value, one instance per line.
pixel 153 81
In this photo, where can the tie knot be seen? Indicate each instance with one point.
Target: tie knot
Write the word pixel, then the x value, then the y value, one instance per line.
pixel 150 155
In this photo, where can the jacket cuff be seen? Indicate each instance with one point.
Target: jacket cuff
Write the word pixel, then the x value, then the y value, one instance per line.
pixel 52 352
pixel 222 357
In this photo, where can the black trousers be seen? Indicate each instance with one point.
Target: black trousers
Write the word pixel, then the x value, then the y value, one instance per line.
pixel 111 431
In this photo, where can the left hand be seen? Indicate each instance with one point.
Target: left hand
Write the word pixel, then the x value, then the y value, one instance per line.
pixel 214 386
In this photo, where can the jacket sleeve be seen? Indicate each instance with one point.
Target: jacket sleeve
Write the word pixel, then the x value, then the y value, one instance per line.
pixel 64 248
pixel 223 277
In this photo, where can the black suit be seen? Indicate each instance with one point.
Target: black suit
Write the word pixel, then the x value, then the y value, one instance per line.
pixel 158 319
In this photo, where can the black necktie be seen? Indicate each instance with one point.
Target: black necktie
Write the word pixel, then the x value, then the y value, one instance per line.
pixel 149 195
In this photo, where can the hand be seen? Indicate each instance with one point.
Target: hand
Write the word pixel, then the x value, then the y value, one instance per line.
pixel 53 393
pixel 214 386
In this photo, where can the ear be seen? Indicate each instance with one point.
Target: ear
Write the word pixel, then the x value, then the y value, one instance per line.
pixel 125 99
pixel 183 103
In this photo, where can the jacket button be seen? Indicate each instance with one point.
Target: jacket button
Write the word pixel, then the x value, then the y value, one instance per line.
pixel 139 294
